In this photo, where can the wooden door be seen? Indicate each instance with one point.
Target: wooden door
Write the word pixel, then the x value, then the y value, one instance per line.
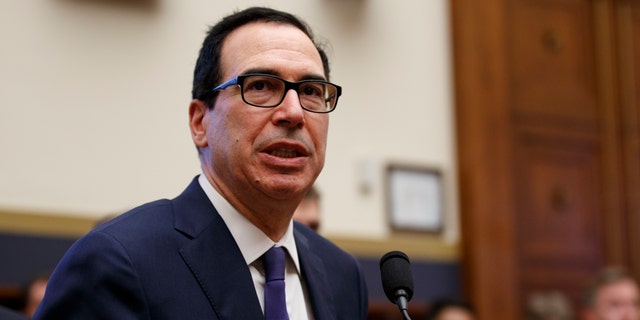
pixel 547 120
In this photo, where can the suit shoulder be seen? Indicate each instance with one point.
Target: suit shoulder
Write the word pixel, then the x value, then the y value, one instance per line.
pixel 139 212
pixel 141 220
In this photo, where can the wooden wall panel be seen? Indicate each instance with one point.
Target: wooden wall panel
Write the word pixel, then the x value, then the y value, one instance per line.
pixel 551 59
pixel 558 212
pixel 547 113
pixel 628 38
pixel 485 191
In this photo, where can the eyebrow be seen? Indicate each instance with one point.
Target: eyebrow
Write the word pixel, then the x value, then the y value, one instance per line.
pixel 309 76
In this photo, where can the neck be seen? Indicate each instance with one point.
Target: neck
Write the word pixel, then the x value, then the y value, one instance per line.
pixel 271 216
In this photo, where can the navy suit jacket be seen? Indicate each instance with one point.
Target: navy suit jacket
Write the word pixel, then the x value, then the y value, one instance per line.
pixel 176 259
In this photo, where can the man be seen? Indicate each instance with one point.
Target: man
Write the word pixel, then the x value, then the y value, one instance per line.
pixel 259 121
pixel 613 295
pixel 308 211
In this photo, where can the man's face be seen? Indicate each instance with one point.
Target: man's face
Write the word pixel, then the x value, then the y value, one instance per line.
pixel 617 301
pixel 274 152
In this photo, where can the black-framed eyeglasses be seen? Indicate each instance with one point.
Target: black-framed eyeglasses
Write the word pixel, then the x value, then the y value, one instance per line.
pixel 268 91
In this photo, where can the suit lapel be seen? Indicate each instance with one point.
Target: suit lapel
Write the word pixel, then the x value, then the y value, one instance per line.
pixel 314 275
pixel 214 258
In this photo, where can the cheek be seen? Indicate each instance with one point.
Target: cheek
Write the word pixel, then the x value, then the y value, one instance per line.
pixel 235 135
pixel 225 123
pixel 321 140
pixel 221 132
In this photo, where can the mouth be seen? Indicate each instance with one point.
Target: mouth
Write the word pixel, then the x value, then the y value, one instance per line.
pixel 284 153
pixel 286 150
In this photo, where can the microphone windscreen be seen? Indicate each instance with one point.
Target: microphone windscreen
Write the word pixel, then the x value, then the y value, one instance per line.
pixel 396 275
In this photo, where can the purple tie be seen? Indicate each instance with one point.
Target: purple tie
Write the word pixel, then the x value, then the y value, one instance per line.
pixel 275 304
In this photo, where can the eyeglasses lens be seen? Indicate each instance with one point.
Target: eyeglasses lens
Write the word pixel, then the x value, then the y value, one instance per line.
pixel 266 91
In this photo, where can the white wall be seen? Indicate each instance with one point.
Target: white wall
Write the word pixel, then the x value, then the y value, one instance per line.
pixel 94 97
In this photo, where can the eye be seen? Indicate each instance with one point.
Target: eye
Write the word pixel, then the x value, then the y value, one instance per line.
pixel 312 89
pixel 256 85
pixel 261 83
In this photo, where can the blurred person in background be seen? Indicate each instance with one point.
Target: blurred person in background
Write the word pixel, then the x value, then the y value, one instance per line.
pixel 450 309
pixel 33 294
pixel 552 305
pixel 612 295
pixel 308 211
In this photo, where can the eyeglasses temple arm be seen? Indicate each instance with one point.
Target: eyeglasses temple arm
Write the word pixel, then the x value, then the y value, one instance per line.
pixel 226 84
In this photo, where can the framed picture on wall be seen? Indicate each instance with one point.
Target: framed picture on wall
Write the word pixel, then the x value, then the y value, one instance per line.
pixel 415 198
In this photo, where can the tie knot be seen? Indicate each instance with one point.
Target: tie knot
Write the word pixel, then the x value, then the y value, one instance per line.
pixel 274 262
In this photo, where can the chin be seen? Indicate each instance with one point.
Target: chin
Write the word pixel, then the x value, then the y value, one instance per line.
pixel 286 189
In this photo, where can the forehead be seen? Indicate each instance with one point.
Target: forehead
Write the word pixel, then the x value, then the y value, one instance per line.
pixel 281 48
pixel 625 287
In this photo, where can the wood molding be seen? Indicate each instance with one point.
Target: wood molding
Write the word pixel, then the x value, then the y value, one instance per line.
pixel 416 246
pixel 44 224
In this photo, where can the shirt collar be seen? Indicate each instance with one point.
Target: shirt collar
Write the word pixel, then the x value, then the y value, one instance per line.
pixel 253 243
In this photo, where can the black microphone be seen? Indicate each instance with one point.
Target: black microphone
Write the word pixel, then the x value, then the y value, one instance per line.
pixel 397 280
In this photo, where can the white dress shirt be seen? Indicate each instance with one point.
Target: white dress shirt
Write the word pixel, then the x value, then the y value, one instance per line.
pixel 253 243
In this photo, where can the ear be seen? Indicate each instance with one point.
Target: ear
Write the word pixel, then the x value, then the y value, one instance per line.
pixel 198 122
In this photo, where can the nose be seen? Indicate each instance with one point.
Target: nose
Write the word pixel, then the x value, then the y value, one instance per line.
pixel 289 113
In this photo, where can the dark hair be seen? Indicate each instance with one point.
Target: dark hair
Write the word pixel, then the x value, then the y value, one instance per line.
pixel 438 306
pixel 207 73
